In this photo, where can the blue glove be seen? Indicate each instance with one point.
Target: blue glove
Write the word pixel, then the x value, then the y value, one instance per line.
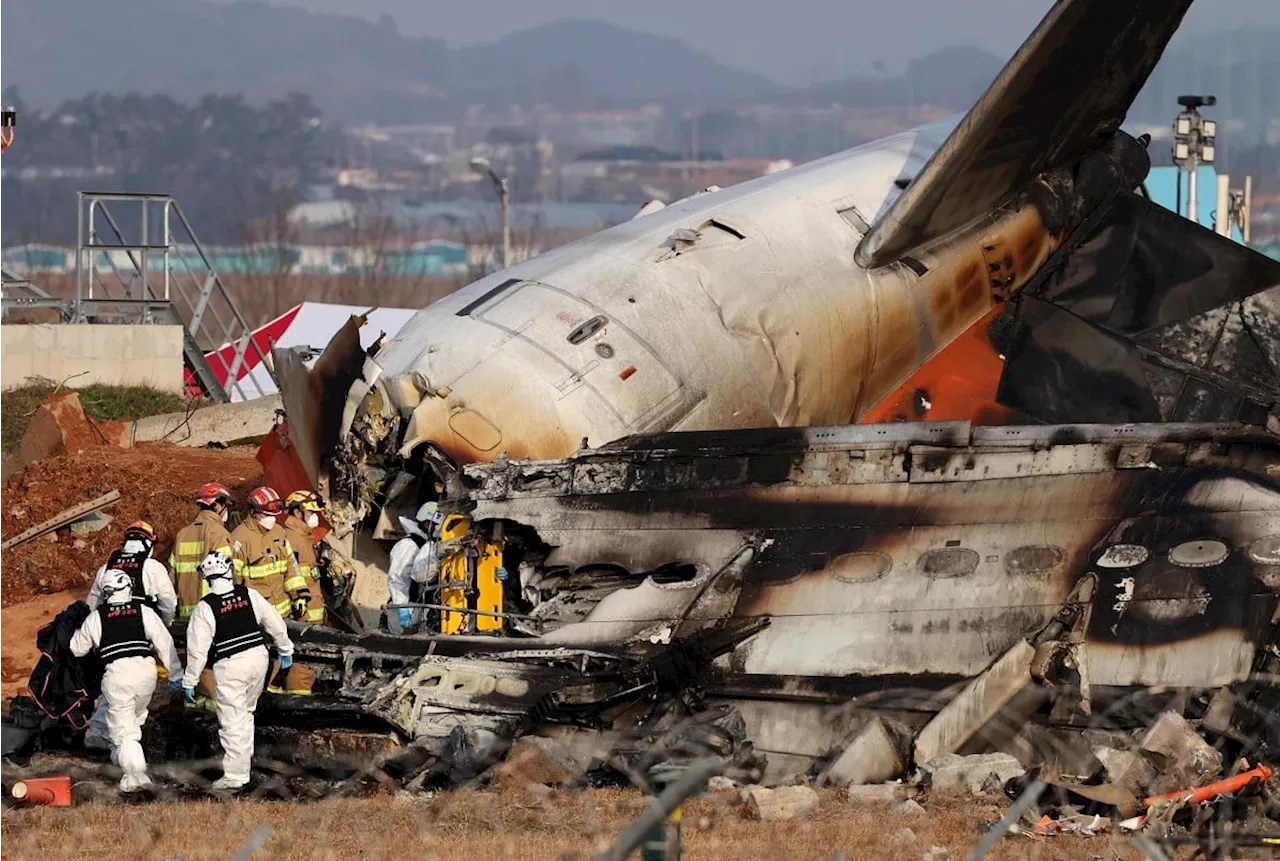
pixel 501 573
pixel 286 661
pixel 406 618
pixel 190 695
pixel 175 685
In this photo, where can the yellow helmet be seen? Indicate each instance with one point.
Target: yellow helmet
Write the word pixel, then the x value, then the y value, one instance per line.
pixel 305 499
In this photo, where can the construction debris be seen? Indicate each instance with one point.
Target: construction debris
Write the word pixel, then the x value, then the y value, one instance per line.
pixel 872 756
pixel 1127 769
pixel 785 802
pixel 62 519
pixel 59 426
pixel 954 772
pixel 230 424
pixel 882 793
pixel 93 522
pixel 988 712
pixel 1184 758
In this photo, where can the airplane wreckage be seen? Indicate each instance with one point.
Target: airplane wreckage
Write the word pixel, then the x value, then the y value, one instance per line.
pixel 957 427
pixel 864 432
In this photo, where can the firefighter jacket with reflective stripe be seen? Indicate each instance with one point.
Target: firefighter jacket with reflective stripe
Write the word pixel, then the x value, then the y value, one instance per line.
pixel 299 535
pixel 205 535
pixel 236 628
pixel 123 634
pixel 264 561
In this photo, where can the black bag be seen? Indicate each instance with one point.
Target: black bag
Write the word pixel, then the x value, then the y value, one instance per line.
pixel 62 685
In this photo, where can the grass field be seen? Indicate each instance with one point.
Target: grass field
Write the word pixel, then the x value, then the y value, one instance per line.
pixel 101 403
pixel 529 825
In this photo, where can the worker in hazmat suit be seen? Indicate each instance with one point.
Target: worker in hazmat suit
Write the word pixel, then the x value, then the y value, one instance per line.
pixel 226 632
pixel 128 635
pixel 207 533
pixel 149 582
pixel 149 578
pixel 303 508
pixel 413 560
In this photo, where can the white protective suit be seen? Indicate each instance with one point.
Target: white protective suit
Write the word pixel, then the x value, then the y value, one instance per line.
pixel 127 686
pixel 410 564
pixel 156 584
pixel 240 680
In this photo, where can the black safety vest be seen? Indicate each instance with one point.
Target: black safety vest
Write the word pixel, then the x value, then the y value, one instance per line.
pixel 123 634
pixel 131 564
pixel 236 628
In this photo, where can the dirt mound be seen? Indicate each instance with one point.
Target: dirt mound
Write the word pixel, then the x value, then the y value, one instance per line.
pixel 156 482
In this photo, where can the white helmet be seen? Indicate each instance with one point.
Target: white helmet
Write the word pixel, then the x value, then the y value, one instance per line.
pixel 429 513
pixel 216 565
pixel 117 586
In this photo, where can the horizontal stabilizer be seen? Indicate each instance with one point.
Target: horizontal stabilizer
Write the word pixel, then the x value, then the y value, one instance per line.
pixel 1066 90
pixel 1144 317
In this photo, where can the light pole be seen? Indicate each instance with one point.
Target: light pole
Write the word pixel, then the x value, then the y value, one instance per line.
pixel 481 166
pixel 1194 143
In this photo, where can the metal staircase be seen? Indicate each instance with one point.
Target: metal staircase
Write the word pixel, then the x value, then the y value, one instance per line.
pixel 162 275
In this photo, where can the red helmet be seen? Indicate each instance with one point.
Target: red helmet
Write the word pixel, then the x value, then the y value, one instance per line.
pixel 212 493
pixel 140 529
pixel 264 500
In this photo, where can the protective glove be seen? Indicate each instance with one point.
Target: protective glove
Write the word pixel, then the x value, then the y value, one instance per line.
pixel 501 573
pixel 286 661
pixel 190 695
pixel 175 685
pixel 298 604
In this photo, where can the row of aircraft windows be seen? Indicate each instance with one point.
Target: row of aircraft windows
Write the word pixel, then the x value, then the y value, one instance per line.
pixel 954 561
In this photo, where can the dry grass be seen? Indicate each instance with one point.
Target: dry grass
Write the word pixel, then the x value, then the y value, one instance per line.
pixel 514 824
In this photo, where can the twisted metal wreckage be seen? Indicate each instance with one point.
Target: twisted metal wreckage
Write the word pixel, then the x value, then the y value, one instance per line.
pixel 1045 342
pixel 956 427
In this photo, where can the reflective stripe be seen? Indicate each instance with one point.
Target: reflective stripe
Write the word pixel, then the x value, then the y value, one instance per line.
pixel 185 610
pixel 293 584
pixel 282 607
pixel 190 548
pixel 130 647
pixel 298 693
pixel 316 614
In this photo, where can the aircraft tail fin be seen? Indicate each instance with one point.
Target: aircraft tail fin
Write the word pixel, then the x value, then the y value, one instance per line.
pixel 1065 91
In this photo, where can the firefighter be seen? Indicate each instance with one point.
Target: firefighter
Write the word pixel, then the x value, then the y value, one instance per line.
pixel 206 534
pixel 303 508
pixel 148 582
pixel 263 556
pixel 226 633
pixel 127 635
pixel 264 561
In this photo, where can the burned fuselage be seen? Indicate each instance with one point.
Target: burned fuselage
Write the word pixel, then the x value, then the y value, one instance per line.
pixel 864 565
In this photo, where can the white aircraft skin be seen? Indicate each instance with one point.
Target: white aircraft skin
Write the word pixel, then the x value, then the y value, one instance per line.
pixel 764 319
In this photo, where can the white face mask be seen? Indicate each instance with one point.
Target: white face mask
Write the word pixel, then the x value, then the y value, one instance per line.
pixel 267 522
pixel 220 585
pixel 313 520
pixel 225 515
pixel 134 546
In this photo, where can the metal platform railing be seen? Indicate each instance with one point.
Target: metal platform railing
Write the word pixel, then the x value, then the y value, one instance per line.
pixel 116 281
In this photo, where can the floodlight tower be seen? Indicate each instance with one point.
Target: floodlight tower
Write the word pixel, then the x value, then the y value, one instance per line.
pixel 1194 144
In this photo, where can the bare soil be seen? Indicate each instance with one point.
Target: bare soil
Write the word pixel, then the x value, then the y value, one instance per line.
pixel 157 483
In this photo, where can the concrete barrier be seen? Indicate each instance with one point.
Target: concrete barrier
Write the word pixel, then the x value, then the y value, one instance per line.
pixel 119 355
pixel 243 422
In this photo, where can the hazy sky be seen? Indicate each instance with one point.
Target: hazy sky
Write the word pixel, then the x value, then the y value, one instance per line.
pixel 795 41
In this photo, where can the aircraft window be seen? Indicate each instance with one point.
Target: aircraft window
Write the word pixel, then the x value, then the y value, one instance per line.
pixel 1123 556
pixel 675 572
pixel 860 567
pixel 586 330
pixel 1266 551
pixel 1199 554
pixel 948 562
pixel 1034 559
